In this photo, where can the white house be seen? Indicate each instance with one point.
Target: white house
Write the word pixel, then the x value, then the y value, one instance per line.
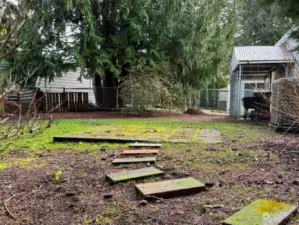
pixel 290 44
pixel 69 83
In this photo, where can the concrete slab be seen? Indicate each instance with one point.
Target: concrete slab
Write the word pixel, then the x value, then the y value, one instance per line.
pixel 134 160
pixel 210 136
pixel 145 145
pixel 262 212
pixel 170 188
pixel 134 174
pixel 141 152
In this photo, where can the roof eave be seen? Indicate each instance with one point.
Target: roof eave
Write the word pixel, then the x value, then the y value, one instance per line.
pixel 244 62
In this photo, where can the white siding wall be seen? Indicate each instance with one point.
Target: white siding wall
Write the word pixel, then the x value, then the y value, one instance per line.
pixel 291 45
pixel 70 82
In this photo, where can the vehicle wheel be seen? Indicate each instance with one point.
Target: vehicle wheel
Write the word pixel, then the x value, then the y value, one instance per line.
pixel 252 116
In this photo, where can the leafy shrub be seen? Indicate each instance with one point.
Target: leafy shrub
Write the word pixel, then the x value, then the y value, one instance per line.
pixel 147 88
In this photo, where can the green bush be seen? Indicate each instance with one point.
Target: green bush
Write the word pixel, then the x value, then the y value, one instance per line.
pixel 147 88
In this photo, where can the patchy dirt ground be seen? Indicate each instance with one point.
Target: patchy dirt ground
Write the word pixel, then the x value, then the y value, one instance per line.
pixel 237 176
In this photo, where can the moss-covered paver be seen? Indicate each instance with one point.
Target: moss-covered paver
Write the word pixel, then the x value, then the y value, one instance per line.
pixel 170 188
pixel 262 212
pixel 141 152
pixel 134 160
pixel 209 136
pixel 134 174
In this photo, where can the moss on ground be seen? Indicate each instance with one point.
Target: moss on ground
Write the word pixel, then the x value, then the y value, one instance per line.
pixel 109 215
pixel 23 163
pixel 130 127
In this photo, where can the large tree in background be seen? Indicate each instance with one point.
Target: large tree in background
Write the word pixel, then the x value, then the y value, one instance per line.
pixel 290 9
pixel 107 37
pixel 195 36
pixel 262 24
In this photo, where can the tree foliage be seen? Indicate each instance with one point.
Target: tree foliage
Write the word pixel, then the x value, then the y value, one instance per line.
pixel 106 38
pixel 262 24
pixel 159 89
pixel 290 9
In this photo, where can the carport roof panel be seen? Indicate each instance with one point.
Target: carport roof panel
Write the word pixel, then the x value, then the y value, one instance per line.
pixel 260 54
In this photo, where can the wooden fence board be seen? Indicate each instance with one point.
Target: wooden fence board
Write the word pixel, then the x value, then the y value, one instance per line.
pixel 57 102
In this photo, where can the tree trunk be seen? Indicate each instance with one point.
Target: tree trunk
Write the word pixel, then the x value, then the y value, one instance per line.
pixel 106 91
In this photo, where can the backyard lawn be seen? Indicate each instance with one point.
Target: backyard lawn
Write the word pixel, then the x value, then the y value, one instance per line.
pixel 42 182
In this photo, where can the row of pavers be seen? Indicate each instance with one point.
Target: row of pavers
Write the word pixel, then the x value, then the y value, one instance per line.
pixel 260 212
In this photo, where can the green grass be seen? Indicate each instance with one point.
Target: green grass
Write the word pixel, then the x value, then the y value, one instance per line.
pixel 40 142
pixel 197 157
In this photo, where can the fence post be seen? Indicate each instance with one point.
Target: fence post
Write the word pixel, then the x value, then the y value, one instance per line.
pixel 3 105
pixel 198 99
pixel 63 100
pixel 34 102
pixel 117 106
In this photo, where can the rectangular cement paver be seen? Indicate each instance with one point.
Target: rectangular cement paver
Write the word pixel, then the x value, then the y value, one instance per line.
pixel 210 136
pixel 145 145
pixel 134 160
pixel 134 174
pixel 262 212
pixel 170 188
pixel 141 152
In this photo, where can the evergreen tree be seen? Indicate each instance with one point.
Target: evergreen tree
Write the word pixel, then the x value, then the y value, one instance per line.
pixel 108 37
pixel 262 24
pixel 290 9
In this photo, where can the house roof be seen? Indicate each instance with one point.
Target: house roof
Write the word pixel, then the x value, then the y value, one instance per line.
pixel 260 55
pixel 286 37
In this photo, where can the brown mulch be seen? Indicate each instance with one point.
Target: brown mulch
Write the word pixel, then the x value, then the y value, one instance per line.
pixel 194 111
pixel 39 199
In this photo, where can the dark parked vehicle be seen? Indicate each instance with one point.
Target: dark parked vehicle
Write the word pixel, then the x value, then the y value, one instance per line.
pixel 260 103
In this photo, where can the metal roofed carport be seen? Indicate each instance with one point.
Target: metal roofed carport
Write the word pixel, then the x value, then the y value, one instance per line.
pixel 255 63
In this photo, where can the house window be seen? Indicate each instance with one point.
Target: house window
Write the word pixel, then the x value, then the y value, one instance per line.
pixel 250 86
pixel 260 86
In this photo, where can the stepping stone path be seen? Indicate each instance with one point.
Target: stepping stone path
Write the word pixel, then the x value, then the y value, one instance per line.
pixel 141 152
pixel 262 212
pixel 134 174
pixel 167 189
pixel 210 136
pixel 134 160
pixel 145 145
pixel 170 188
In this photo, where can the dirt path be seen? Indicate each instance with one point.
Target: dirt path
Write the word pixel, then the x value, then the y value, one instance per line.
pixel 39 199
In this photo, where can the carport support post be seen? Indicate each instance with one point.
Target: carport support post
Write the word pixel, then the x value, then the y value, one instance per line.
pixel 239 92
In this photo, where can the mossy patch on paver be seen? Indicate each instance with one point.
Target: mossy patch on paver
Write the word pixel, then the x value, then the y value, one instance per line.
pixel 171 188
pixel 134 174
pixel 210 136
pixel 262 212
pixel 141 152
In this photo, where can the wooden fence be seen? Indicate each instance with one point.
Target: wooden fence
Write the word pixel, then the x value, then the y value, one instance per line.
pixel 67 102
pixel 47 102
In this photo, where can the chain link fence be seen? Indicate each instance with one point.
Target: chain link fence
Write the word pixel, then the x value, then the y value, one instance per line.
pixel 211 101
